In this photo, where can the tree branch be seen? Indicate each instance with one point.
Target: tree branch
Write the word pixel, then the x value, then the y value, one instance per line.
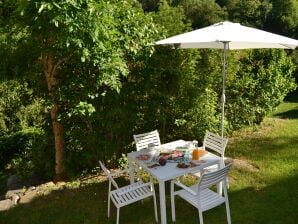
pixel 59 63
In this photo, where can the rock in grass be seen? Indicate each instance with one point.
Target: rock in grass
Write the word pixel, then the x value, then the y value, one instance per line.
pixel 6 204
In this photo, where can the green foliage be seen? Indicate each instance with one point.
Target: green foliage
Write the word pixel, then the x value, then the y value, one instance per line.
pixel 203 114
pixel 253 12
pixel 149 5
pixel 22 143
pixel 26 152
pixel 283 18
pixel 10 102
pixel 33 156
pixel 202 12
pixel 123 162
pixel 19 108
pixel 171 19
pixel 95 34
pixel 259 86
pixel 96 45
pixel 170 71
pixel 113 82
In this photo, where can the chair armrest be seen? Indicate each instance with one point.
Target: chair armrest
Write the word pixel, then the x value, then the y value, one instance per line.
pixel 119 172
pixel 188 189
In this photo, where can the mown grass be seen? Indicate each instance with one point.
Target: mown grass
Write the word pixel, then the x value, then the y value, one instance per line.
pixel 267 194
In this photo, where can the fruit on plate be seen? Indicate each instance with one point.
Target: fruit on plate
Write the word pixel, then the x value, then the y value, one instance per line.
pixel 162 161
pixel 182 165
pixel 143 157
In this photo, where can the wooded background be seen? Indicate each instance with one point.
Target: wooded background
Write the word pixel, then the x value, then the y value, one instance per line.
pixel 79 77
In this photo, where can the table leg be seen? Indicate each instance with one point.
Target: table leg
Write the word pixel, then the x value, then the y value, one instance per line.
pixel 131 171
pixel 219 185
pixel 162 201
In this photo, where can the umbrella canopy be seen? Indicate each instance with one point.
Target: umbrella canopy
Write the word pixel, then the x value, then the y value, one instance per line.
pixel 235 35
pixel 232 36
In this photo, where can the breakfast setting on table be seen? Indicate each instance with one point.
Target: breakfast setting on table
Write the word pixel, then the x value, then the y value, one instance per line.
pixel 187 155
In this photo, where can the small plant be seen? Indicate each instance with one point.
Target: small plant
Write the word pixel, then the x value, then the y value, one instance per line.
pixel 75 184
pixel 123 162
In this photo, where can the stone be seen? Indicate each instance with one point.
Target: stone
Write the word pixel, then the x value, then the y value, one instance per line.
pixel 14 195
pixel 32 188
pixel 28 197
pixel 9 194
pixel 6 204
pixel 16 198
pixel 242 164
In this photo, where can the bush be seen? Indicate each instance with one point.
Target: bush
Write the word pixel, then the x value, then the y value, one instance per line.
pixel 262 82
pixel 28 153
pixel 24 147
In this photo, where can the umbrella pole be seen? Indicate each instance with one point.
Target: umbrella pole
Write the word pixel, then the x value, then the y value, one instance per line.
pixel 223 96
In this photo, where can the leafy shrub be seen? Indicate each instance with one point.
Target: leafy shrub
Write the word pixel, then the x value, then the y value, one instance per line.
pixel 27 152
pixel 19 107
pixel 23 144
pixel 260 85
pixel 10 146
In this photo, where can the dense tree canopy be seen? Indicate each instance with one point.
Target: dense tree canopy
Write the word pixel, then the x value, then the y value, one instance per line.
pixel 283 18
pixel 203 12
pixel 76 43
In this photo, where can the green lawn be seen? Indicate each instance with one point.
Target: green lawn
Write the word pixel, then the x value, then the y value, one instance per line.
pixel 267 194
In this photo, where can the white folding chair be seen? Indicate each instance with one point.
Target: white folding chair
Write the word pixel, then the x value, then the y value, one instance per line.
pixel 200 195
pixel 217 144
pixel 143 140
pixel 128 194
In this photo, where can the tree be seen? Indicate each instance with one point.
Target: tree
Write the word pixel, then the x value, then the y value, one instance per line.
pixel 263 79
pixel 149 5
pixel 253 12
pixel 202 12
pixel 74 39
pixel 283 18
pixel 181 105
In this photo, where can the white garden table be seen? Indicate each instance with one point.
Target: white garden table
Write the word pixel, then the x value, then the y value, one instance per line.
pixel 169 171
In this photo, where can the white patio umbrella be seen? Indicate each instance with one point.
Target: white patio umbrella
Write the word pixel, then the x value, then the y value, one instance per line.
pixel 229 36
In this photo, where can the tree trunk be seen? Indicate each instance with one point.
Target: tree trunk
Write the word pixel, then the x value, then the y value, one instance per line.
pixel 50 71
pixel 59 144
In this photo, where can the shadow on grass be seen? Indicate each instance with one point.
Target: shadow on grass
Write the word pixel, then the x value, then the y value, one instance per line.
pixel 292 114
pixel 86 204
pixel 276 203
pixel 273 204
pixel 292 97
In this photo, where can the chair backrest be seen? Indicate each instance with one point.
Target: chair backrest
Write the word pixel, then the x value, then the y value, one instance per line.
pixel 213 178
pixel 108 173
pixel 143 140
pixel 215 142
